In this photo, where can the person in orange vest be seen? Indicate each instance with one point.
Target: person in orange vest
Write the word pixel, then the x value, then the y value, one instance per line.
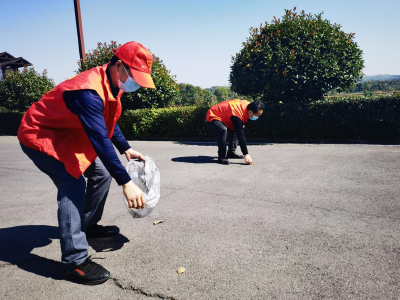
pixel 69 135
pixel 230 116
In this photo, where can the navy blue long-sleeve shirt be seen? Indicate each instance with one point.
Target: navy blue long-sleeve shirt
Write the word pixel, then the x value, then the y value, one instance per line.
pixel 88 106
pixel 238 125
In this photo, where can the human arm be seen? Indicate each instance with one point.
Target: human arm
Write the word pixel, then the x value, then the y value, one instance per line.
pixel 123 146
pixel 238 126
pixel 88 106
pixel 130 190
pixel 119 141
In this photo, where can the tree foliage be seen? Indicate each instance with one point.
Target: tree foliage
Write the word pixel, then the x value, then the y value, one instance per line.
pixel 300 58
pixel 194 95
pixel 223 93
pixel 370 86
pixel 97 57
pixel 20 89
pixel 166 87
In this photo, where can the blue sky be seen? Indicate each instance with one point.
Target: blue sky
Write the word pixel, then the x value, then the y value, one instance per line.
pixel 195 39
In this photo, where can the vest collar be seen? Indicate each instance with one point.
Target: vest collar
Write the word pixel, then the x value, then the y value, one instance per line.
pixel 113 92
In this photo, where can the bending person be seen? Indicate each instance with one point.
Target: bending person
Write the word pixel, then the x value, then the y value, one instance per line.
pixel 69 135
pixel 227 119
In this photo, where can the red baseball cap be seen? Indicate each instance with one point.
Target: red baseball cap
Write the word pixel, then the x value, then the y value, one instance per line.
pixel 139 60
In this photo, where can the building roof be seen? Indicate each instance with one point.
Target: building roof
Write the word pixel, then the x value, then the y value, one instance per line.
pixel 9 61
pixel 4 56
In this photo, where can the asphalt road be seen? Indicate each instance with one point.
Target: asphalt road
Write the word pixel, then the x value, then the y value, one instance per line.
pixel 307 221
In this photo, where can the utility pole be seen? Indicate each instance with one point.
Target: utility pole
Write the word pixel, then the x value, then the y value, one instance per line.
pixel 79 29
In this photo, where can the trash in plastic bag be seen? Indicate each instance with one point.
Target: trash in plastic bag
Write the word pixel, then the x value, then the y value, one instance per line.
pixel 147 177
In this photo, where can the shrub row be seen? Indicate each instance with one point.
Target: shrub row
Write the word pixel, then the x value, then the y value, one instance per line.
pixel 341 119
pixel 375 119
pixel 174 122
pixel 9 122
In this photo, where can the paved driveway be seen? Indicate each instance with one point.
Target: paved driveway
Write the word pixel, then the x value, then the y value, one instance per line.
pixel 305 222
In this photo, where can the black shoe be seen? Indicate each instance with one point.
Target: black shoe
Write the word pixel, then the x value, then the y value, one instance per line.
pixel 97 231
pixel 234 155
pixel 223 161
pixel 88 273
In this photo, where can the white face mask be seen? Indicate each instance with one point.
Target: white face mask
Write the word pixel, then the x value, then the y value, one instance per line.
pixel 129 85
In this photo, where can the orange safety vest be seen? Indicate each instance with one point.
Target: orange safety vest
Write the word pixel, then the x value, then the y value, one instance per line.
pixel 225 110
pixel 50 127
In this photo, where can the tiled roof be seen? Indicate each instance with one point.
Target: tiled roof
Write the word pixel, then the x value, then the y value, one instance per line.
pixel 16 61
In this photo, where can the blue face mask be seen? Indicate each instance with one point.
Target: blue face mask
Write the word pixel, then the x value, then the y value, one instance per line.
pixel 129 85
pixel 254 118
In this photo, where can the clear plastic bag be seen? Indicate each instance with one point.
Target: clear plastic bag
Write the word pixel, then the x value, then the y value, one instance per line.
pixel 147 177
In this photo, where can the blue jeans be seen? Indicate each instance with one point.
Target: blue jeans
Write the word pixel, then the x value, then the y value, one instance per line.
pixel 80 203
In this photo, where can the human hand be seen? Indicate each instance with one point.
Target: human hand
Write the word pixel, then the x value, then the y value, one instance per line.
pixel 134 195
pixel 132 154
pixel 247 159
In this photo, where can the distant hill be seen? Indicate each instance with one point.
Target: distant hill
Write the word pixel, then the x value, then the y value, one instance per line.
pixel 379 77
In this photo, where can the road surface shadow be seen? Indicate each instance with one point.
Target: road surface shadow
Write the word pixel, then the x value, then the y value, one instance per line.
pixel 113 243
pixel 195 159
pixel 215 144
pixel 204 160
pixel 18 242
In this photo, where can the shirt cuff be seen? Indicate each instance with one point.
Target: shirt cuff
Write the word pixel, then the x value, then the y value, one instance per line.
pixel 124 178
pixel 122 146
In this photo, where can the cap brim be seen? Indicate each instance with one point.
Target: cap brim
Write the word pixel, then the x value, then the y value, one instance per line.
pixel 143 79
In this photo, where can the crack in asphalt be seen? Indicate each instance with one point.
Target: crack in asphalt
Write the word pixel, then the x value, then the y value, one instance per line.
pixel 140 291
pixel 116 282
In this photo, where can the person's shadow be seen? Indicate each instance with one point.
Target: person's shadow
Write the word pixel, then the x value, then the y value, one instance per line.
pixel 195 159
pixel 109 244
pixel 17 243
pixel 203 160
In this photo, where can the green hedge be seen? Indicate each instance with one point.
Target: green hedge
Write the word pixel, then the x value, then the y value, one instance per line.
pixel 374 119
pixel 174 122
pixel 9 122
